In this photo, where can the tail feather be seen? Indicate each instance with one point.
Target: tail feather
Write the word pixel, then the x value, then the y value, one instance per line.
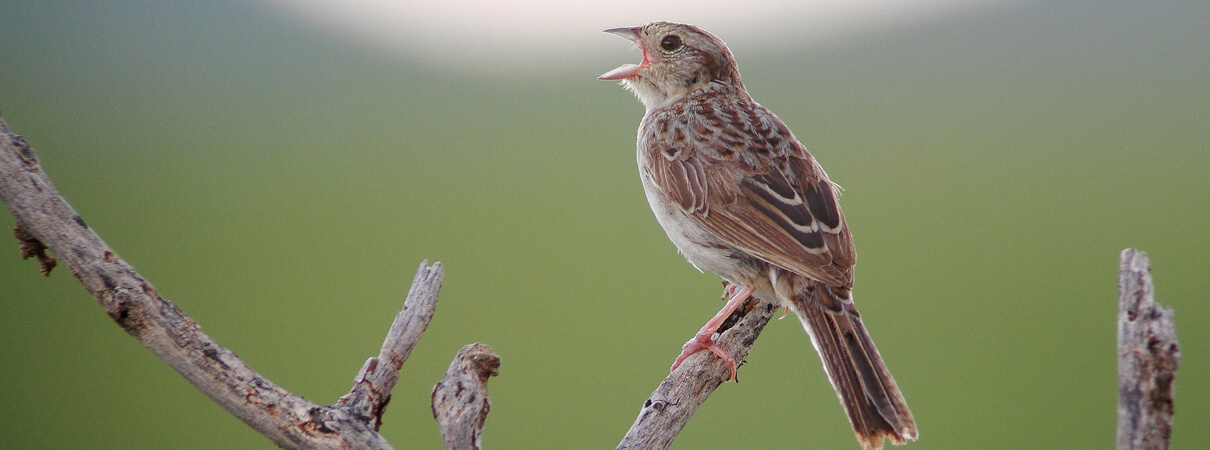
pixel 870 397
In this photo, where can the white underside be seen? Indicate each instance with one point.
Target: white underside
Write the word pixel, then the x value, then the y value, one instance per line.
pixel 700 247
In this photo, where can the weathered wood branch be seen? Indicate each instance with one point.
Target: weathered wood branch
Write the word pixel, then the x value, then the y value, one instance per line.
pixel 45 221
pixel 372 388
pixel 460 402
pixel 669 408
pixel 1148 356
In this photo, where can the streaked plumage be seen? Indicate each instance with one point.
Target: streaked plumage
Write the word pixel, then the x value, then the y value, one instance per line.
pixel 740 196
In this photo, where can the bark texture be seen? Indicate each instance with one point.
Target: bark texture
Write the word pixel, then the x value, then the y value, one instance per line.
pixel 460 402
pixel 1148 356
pixel 46 222
pixel 669 408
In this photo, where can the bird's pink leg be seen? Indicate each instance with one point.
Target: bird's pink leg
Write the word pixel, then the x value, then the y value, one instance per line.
pixel 704 340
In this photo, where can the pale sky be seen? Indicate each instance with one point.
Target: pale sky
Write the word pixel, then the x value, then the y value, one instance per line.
pixel 529 35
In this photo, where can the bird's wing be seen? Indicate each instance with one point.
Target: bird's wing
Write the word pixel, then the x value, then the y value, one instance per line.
pixel 737 171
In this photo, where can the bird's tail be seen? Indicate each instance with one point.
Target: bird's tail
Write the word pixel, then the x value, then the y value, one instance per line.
pixel 869 395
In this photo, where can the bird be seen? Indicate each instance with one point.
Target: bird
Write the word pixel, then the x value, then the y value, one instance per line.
pixel 740 196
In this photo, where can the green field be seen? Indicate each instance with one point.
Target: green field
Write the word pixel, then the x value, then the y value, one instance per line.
pixel 281 186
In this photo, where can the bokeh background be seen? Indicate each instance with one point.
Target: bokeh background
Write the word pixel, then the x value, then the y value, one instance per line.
pixel 280 170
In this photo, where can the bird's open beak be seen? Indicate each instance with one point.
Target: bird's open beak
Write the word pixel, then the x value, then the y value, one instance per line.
pixel 626 70
pixel 628 33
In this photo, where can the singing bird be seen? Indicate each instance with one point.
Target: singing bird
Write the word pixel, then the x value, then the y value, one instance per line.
pixel 740 196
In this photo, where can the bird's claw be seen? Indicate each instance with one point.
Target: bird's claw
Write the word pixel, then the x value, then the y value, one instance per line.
pixel 705 342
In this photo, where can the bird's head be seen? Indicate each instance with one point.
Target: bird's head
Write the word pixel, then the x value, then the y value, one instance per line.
pixel 677 59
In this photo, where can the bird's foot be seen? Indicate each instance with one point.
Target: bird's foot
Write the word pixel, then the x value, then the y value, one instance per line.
pixel 705 341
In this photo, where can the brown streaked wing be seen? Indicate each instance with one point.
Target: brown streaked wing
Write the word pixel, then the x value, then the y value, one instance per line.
pixel 757 227
pixel 753 216
pixel 681 176
pixel 822 201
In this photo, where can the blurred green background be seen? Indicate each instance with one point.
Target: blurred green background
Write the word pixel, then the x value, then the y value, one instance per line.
pixel 281 185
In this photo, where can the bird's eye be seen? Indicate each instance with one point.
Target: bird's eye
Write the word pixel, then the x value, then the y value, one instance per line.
pixel 671 42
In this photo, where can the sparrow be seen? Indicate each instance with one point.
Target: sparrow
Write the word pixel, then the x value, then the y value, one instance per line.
pixel 740 196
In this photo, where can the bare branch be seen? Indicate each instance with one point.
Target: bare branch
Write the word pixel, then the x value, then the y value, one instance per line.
pixel 460 402
pixel 1148 356
pixel 669 408
pixel 46 221
pixel 31 247
pixel 372 388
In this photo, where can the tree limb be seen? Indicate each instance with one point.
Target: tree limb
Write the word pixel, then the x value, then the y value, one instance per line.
pixel 1148 356
pixel 372 388
pixel 46 221
pixel 460 402
pixel 669 408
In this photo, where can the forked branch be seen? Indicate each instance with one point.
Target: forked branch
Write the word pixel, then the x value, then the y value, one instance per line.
pixel 45 221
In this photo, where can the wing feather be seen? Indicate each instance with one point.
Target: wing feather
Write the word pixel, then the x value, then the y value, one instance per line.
pixel 784 212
